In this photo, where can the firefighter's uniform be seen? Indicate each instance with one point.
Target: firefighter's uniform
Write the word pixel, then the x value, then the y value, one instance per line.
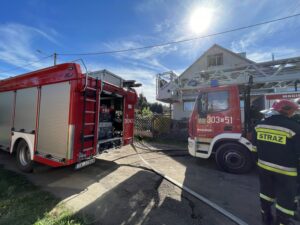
pixel 277 141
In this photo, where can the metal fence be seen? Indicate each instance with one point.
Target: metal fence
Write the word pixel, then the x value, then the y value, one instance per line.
pixel 161 127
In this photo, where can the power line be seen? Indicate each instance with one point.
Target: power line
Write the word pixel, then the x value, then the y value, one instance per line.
pixel 156 45
pixel 181 41
pixel 29 64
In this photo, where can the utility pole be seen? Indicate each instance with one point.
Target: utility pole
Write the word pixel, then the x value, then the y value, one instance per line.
pixel 55 58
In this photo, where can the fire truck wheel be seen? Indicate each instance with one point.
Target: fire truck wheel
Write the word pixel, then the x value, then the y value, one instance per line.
pixel 234 158
pixel 24 161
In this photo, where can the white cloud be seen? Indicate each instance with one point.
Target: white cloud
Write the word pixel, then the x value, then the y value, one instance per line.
pixel 144 76
pixel 279 53
pixel 161 27
pixel 17 46
pixel 254 37
pixel 149 58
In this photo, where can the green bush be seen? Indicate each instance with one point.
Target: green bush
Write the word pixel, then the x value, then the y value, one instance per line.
pixel 146 112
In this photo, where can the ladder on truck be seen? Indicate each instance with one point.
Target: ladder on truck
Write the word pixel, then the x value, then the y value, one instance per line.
pixel 271 74
pixel 90 116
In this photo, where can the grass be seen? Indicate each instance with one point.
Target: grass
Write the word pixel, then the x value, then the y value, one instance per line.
pixel 23 203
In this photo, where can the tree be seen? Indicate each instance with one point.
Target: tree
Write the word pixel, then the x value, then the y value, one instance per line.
pixel 156 108
pixel 142 102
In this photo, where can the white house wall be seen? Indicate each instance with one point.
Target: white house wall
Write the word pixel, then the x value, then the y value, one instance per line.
pixel 178 112
pixel 230 60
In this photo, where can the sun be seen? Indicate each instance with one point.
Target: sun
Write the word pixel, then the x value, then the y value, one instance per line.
pixel 200 19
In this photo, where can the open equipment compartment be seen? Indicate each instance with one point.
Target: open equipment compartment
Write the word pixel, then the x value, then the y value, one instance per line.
pixel 111 116
pixel 116 111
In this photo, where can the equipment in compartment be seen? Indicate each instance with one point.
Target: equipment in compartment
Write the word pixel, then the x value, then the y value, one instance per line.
pixel 110 122
pixel 105 125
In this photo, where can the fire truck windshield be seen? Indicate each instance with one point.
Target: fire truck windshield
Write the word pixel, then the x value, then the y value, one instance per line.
pixel 212 102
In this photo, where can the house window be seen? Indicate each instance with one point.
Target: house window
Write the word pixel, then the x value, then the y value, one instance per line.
pixel 215 60
pixel 188 106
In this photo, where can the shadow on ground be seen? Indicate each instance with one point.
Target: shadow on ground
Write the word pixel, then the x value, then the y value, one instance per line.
pixel 154 202
pixel 63 181
pixel 142 198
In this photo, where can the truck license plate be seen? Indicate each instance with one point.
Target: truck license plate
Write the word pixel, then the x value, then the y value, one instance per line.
pixel 85 163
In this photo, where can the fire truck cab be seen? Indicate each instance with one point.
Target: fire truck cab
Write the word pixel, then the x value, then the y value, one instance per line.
pixel 60 116
pixel 222 122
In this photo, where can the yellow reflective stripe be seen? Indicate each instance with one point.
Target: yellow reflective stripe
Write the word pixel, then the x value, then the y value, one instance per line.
pixel 267 198
pixel 276 170
pixel 284 210
pixel 274 138
pixel 284 168
pixel 286 131
pixel 272 131
pixel 253 149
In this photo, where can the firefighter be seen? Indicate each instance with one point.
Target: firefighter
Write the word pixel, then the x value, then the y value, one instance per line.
pixel 277 141
pixel 297 118
pixel 297 115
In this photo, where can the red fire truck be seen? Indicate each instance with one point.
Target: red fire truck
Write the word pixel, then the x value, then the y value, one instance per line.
pixel 56 115
pixel 222 122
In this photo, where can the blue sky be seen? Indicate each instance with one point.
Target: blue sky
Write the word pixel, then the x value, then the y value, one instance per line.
pixel 89 26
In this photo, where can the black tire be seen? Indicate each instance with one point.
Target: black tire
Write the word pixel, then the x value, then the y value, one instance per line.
pixel 24 161
pixel 234 158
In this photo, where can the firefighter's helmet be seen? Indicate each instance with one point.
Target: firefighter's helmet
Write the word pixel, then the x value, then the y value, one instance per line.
pixel 285 106
pixel 297 101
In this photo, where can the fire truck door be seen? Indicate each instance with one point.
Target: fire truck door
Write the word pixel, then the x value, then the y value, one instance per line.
pixel 215 116
pixel 6 117
pixel 128 120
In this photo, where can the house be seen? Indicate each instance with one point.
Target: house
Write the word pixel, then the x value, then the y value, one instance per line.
pixel 216 57
pixel 218 66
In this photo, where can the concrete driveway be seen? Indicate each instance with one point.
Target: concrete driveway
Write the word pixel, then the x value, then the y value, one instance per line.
pixel 118 189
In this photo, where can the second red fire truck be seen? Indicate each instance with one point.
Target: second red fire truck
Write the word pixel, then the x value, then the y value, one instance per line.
pixel 222 122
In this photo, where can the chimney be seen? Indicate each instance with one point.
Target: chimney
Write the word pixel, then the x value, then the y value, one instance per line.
pixel 243 54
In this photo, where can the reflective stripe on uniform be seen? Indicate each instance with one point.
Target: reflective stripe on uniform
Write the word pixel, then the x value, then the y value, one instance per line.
pixel 284 210
pixel 267 198
pixel 275 130
pixel 289 171
pixel 253 149
pixel 270 137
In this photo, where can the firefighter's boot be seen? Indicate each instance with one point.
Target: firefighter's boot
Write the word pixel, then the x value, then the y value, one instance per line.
pixel 267 218
pixel 284 221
